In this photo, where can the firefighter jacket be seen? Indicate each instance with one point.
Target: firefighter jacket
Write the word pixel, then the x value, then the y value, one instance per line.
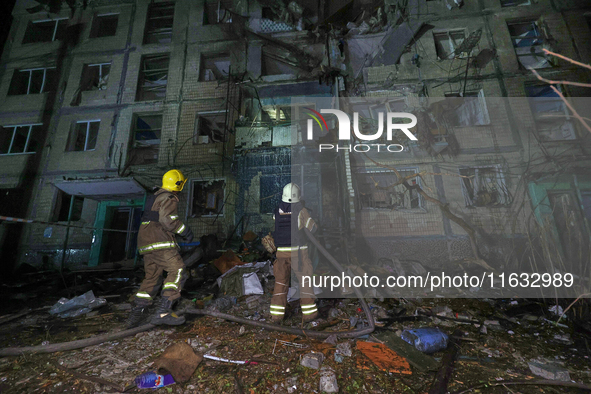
pixel 289 233
pixel 160 223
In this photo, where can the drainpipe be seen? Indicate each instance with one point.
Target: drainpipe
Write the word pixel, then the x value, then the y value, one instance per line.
pixel 67 233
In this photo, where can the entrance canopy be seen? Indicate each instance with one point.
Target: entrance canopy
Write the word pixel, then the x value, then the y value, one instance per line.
pixel 103 189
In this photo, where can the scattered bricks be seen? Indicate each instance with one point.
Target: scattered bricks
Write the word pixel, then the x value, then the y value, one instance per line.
pixel 312 360
pixel 549 371
pixel 344 349
pixel 328 381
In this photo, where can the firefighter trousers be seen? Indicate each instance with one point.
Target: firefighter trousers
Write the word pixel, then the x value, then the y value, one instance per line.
pixel 302 266
pixel 155 263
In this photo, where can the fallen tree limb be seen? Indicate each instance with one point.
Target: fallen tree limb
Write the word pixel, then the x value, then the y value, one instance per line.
pixel 81 343
pixel 439 385
pixel 527 383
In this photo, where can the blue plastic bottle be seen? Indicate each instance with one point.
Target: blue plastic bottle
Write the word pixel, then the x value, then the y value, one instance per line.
pixel 427 340
pixel 152 380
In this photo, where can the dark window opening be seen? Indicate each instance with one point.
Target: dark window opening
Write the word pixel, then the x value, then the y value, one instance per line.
pixel 551 114
pixel 377 191
pixel 207 198
pixel 484 186
pixel 20 139
pixel 33 81
pixel 95 76
pixel 62 206
pixel 528 43
pixel 45 31
pixel 217 12
pixel 83 136
pixel 446 43
pixel 104 25
pixel 146 139
pixel 275 65
pixel 159 23
pixel 214 67
pixel 210 128
pixel 153 78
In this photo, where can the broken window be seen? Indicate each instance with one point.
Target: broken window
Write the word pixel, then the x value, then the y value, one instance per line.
pixel 377 190
pixel 271 187
pixel 286 114
pixel 95 76
pixel 217 12
pixel 62 207
pixel 20 139
pixel 146 134
pixel 447 42
pixel 153 77
pixel 528 42
pixel 159 23
pixel 278 62
pixel 484 186
pixel 511 3
pixel 207 198
pixel 83 136
pixel 45 31
pixel 214 67
pixel 33 81
pixel 551 114
pixel 210 127
pixel 472 110
pixel 104 25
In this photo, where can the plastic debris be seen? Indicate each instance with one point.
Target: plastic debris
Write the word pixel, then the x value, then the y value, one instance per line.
pixel 383 357
pixel 312 360
pixel 77 306
pixel 252 284
pixel 328 381
pixel 427 340
pixel 152 380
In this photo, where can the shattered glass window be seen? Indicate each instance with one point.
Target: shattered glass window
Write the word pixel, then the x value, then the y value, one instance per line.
pixel 33 81
pixel 471 110
pixel 20 139
pixel 45 31
pixel 146 139
pixel 83 136
pixel 95 76
pixel 551 114
pixel 159 23
pixel 153 77
pixel 214 67
pixel 528 43
pixel 207 198
pixel 210 128
pixel 104 25
pixel 447 42
pixel 377 190
pixel 484 186
pixel 215 12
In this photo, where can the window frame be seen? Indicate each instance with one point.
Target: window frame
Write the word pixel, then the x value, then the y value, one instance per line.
pixel 540 38
pixel 205 57
pixel 479 94
pixel 134 142
pixel 190 203
pixel 85 67
pixel 141 84
pixel 220 4
pixel 55 29
pixel 73 135
pixel 206 114
pixel 14 127
pixel 453 46
pixel 503 5
pixel 94 29
pixel 537 116
pixel 375 171
pixel 148 33
pixel 30 71
pixel 57 209
pixel 470 201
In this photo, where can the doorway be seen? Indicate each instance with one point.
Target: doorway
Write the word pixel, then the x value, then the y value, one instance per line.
pixel 122 244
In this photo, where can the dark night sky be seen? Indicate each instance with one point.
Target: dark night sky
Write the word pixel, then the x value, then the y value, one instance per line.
pixel 5 20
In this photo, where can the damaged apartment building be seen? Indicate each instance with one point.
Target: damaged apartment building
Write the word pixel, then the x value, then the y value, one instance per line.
pixel 101 98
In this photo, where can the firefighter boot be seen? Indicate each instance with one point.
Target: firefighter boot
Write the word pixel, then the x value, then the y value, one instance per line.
pixel 165 315
pixel 136 316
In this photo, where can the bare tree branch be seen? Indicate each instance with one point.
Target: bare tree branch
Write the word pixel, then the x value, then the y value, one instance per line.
pixel 568 59
pixel 580 84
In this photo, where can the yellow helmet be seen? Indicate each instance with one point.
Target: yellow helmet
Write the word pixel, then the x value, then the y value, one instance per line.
pixel 173 181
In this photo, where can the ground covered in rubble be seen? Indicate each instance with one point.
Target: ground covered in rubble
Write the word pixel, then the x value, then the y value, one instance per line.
pixel 509 335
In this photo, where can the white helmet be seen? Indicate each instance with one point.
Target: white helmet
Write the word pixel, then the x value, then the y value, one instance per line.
pixel 291 193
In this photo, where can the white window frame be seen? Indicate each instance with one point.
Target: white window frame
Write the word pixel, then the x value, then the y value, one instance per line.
pixel 451 42
pixel 100 66
pixel 371 171
pixel 30 71
pixel 500 179
pixel 483 106
pixel 191 196
pixel 56 20
pixel 196 133
pixel 88 122
pixel 14 127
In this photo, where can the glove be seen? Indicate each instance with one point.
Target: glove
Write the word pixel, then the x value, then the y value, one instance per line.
pixel 187 235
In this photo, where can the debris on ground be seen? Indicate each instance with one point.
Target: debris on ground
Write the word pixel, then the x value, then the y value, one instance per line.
pixel 77 306
pixel 383 357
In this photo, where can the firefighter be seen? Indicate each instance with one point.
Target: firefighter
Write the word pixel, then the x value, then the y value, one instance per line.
pixel 290 220
pixel 156 242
